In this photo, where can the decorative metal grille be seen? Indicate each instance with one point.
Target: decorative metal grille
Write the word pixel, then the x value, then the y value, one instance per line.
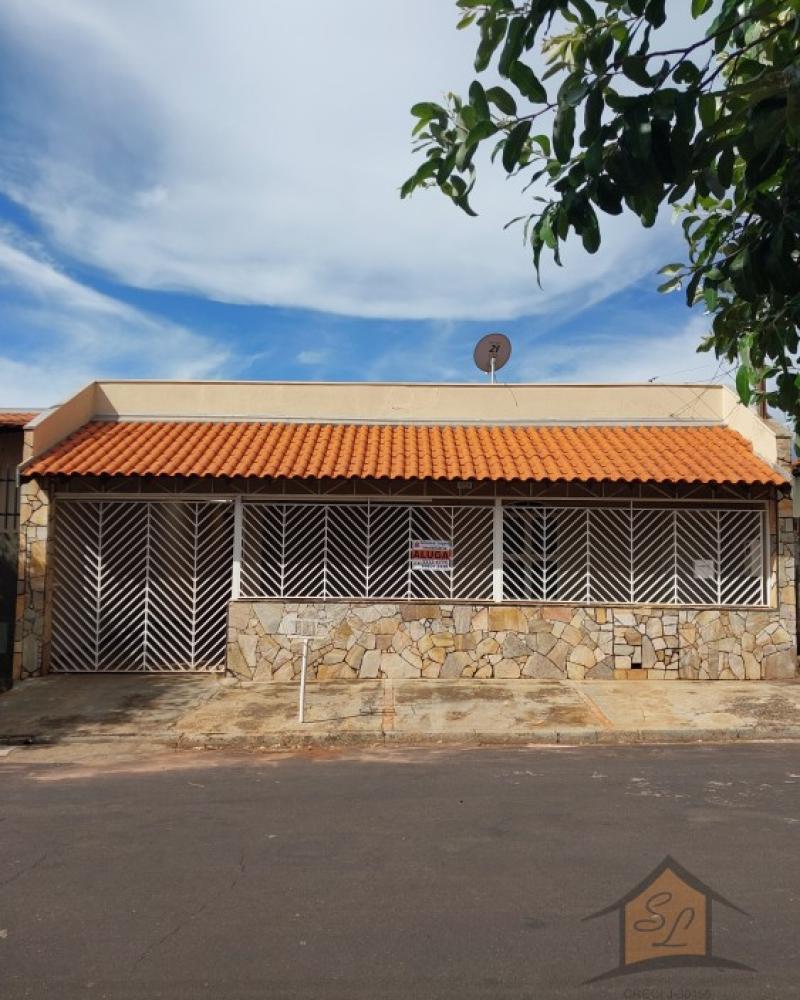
pixel 9 499
pixel 358 550
pixel 636 555
pixel 141 586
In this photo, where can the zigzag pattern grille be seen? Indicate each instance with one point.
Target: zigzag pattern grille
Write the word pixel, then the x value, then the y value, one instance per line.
pixel 357 550
pixel 140 586
pixel 634 554
pixel 144 585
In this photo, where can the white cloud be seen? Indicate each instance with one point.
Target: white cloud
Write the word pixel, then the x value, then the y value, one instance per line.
pixel 663 354
pixel 253 154
pixel 634 348
pixel 69 334
pixel 313 357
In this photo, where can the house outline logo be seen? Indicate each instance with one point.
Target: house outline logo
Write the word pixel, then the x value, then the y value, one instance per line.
pixel 665 922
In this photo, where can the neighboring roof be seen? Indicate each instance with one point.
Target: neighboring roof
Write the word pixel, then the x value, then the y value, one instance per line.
pixel 398 451
pixel 16 418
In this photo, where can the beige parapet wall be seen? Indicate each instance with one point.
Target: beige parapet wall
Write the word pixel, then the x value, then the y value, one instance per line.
pixel 392 402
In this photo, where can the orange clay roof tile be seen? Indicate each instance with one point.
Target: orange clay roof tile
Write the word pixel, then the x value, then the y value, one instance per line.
pixel 273 450
pixel 16 418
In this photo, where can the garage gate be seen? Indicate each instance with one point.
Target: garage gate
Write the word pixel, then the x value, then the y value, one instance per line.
pixel 141 585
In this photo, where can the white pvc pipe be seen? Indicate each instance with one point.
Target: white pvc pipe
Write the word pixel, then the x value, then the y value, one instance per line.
pixel 304 664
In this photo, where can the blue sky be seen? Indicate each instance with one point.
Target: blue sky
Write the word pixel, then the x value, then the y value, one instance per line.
pixel 208 190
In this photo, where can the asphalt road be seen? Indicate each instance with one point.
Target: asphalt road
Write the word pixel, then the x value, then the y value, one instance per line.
pixel 426 873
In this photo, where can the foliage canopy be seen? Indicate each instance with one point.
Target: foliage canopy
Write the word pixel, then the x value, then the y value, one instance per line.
pixel 711 127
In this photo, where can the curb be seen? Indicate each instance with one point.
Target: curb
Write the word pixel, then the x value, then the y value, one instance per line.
pixel 545 737
pixel 392 738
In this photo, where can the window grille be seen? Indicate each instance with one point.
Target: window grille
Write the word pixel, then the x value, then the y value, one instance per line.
pixel 636 555
pixel 363 550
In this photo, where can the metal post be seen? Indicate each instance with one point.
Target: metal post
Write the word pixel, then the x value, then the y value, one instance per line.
pixel 236 578
pixel 304 664
pixel 491 362
pixel 497 551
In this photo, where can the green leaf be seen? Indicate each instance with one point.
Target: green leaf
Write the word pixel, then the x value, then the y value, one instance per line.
pixel 526 81
pixel 427 110
pixel 587 14
pixel 514 144
pixel 670 269
pixel 598 48
pixel 542 142
pixel 699 7
pixel 707 106
pixel 592 115
pixel 743 378
pixel 656 12
pixel 512 50
pixel 477 98
pixel 725 167
pixel 670 286
pixel 546 230
pixel 686 72
pixel 572 91
pixel 482 130
pixel 492 33
pixel 423 172
pixel 590 234
pixel 502 100
pixel 564 133
pixel 608 196
pixel 635 68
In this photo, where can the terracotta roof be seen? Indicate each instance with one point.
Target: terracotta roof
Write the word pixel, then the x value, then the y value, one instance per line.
pixel 14 418
pixel 273 450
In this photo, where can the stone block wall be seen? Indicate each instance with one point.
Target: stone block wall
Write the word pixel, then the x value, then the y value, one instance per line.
pixel 29 628
pixel 436 640
pixel 784 591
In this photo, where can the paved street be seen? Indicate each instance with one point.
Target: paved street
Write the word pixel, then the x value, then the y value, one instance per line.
pixel 392 873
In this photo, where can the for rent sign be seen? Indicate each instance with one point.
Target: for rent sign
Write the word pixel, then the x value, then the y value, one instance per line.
pixel 431 554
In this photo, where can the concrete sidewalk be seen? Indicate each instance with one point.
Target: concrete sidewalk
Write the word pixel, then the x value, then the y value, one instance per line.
pixel 208 711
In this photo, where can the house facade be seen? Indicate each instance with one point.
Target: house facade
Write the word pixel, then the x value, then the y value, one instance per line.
pixel 11 425
pixel 514 531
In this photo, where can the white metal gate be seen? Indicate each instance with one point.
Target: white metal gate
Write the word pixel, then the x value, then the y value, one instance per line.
pixel 141 585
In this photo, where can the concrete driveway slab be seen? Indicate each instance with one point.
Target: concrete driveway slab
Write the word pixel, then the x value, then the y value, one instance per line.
pixel 497 708
pixel 693 706
pixel 101 705
pixel 254 711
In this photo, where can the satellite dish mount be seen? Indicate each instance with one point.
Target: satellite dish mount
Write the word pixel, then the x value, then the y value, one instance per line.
pixel 491 353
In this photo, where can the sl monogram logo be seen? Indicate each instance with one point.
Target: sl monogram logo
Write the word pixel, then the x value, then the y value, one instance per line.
pixel 665 921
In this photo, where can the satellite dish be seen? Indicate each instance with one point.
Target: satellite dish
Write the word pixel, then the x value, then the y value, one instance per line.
pixel 492 352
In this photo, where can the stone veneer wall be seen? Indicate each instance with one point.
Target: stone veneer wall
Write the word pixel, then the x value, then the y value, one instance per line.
pixel 369 640
pixel 29 628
